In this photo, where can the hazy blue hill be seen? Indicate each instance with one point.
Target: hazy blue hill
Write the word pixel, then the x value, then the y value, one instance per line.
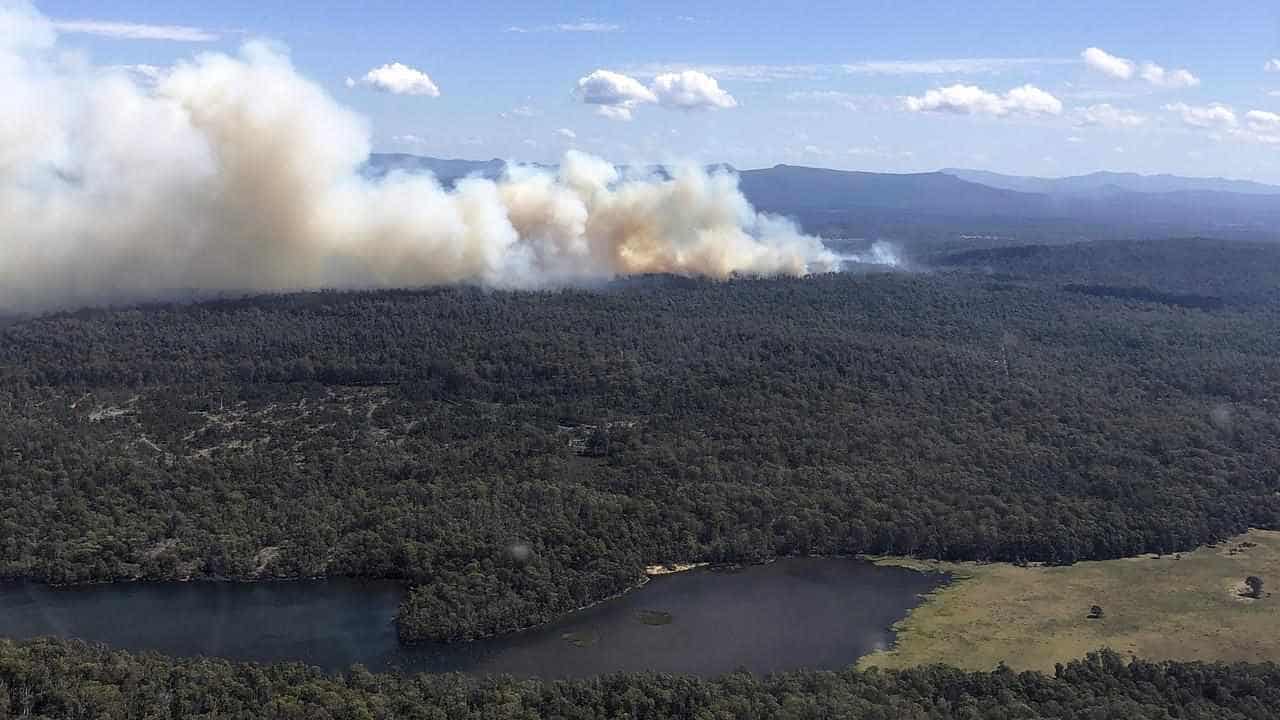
pixel 789 188
pixel 1112 182
pixel 447 170
pixel 865 203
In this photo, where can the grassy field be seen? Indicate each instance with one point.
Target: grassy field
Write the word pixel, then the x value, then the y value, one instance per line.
pixel 1186 607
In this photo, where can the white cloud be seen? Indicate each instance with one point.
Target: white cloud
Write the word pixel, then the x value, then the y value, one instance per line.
pixel 691 90
pixel 1107 115
pixel 1216 116
pixel 1125 69
pixel 1172 79
pixel 946 66
pixel 605 87
pixel 614 112
pixel 1273 65
pixel 1262 126
pixel 581 26
pixel 1256 126
pixel 410 139
pixel 1108 64
pixel 1262 120
pixel 135 31
pixel 567 134
pixel 973 100
pixel 618 95
pixel 398 79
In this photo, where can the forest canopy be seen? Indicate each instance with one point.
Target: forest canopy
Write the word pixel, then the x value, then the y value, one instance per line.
pixel 421 434
pixel 53 679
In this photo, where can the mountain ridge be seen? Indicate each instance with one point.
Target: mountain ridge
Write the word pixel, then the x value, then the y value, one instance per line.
pixel 848 199
pixel 1109 181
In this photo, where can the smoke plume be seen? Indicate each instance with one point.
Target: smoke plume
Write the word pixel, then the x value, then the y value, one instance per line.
pixel 234 173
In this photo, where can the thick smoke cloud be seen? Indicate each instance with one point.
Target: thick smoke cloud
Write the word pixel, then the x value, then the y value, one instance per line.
pixel 233 173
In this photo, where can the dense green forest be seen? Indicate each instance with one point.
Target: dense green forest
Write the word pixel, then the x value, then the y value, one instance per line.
pixel 515 455
pixel 53 679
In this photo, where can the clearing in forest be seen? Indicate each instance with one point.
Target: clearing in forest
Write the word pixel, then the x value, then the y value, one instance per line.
pixel 1180 607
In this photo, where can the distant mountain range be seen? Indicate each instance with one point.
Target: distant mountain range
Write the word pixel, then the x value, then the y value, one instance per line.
pixel 448 171
pixel 1134 204
pixel 1112 182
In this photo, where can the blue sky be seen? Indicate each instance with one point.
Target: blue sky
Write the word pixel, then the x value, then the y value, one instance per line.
pixel 885 86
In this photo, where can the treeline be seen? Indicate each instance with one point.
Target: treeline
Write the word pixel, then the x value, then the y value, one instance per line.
pixel 515 455
pixel 63 680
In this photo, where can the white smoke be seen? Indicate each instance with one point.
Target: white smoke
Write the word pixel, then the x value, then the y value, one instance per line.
pixel 237 174
pixel 881 253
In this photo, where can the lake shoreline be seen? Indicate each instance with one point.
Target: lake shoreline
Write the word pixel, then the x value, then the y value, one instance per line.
pixel 788 613
pixel 649 572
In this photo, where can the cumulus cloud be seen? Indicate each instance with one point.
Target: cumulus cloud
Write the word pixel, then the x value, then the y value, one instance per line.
pixel 235 173
pixel 614 112
pixel 1125 69
pixel 691 90
pixel 567 134
pixel 1262 126
pixel 618 95
pixel 1263 120
pixel 1172 79
pixel 1215 115
pixel 973 100
pixel 398 79
pixel 1107 115
pixel 1256 126
pixel 135 31
pixel 1108 64
pixel 605 87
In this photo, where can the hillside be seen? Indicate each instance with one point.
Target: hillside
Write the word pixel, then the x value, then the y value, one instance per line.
pixel 788 188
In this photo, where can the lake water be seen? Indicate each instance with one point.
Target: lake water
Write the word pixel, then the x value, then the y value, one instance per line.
pixel 794 613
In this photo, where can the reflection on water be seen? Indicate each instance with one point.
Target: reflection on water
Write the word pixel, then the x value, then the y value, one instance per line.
pixel 795 613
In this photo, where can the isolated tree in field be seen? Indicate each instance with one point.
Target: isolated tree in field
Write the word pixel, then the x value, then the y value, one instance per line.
pixel 1096 613
pixel 1254 583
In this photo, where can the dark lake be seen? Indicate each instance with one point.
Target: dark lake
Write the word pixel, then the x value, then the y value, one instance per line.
pixel 794 613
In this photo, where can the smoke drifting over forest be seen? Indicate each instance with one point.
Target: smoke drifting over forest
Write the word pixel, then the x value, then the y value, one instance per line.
pixel 235 173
